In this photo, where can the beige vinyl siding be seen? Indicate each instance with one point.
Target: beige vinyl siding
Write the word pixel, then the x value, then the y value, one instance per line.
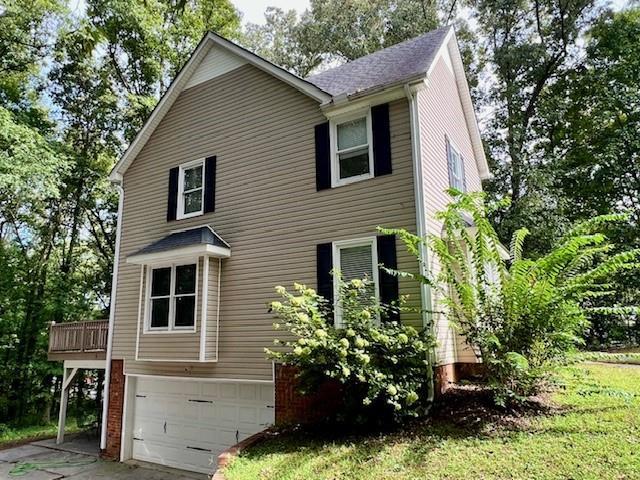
pixel 441 116
pixel 171 345
pixel 267 209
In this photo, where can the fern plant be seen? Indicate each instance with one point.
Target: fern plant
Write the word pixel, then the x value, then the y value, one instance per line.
pixel 520 315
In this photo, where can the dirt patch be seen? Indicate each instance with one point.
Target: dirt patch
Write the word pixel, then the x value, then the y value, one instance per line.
pixel 472 406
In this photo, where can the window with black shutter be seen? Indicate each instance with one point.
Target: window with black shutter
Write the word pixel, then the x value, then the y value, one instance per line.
pixel 192 189
pixel 353 147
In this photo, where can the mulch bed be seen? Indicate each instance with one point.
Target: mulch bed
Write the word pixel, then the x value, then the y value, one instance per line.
pixel 472 406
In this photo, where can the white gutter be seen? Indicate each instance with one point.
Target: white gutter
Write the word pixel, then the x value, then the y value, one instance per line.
pixel 411 92
pixel 112 317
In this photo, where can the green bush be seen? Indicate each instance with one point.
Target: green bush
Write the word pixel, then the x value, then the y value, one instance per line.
pixel 522 315
pixel 381 365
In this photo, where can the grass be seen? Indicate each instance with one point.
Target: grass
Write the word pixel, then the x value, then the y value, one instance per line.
pixel 11 436
pixel 592 432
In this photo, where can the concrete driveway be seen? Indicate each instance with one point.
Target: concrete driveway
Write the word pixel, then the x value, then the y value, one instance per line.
pixel 35 462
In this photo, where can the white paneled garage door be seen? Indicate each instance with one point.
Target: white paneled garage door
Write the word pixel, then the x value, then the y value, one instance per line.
pixel 186 424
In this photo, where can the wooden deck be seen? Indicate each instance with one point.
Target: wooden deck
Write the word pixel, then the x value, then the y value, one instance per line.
pixel 78 340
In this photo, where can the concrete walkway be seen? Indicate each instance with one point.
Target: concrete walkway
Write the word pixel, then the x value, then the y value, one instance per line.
pixel 39 461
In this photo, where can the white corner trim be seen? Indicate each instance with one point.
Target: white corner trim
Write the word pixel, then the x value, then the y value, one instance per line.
pixel 218 307
pixel 182 79
pixel 124 425
pixel 179 254
pixel 418 189
pixel 141 300
pixel 204 300
pixel 112 318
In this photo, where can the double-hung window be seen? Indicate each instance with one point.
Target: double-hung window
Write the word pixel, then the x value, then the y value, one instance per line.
pixel 352 148
pixel 172 298
pixel 355 260
pixel 191 189
pixel 455 160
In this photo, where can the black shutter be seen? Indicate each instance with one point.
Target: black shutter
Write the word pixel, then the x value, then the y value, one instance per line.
pixel 323 153
pixel 381 140
pixel 210 184
pixel 389 291
pixel 324 265
pixel 172 201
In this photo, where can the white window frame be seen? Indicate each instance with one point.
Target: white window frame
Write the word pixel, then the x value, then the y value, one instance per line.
pixel 452 148
pixel 336 181
pixel 181 192
pixel 171 327
pixel 356 242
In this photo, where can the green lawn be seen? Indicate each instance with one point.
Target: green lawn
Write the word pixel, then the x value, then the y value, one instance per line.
pixel 10 436
pixel 594 433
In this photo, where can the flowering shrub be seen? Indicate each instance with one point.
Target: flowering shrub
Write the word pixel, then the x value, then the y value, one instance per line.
pixel 382 366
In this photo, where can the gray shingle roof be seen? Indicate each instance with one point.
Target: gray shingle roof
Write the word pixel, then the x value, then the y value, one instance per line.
pixel 185 238
pixel 394 64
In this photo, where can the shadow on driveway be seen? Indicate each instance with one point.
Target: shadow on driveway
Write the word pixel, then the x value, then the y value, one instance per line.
pixel 38 462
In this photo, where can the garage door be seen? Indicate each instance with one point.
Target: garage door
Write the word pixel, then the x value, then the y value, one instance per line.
pixel 186 424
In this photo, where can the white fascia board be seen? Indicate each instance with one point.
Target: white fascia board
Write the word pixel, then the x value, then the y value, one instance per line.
pixel 180 254
pixel 181 80
pixel 296 82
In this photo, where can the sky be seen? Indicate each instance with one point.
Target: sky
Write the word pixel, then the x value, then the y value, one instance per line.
pixel 253 10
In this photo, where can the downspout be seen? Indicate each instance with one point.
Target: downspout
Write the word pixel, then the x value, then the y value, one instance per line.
pixel 112 317
pixel 411 92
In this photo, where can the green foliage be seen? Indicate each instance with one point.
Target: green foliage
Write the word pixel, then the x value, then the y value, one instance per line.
pixel 333 31
pixel 591 121
pixel 381 365
pixel 520 315
pixel 74 88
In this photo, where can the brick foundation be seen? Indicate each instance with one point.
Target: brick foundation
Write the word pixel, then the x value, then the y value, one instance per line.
pixel 114 415
pixel 292 407
pixel 445 375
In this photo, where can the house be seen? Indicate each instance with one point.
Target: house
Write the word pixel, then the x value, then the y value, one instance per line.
pixel 245 177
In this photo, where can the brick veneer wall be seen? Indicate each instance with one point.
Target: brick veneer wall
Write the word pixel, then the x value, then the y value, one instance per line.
pixel 292 407
pixel 450 373
pixel 114 415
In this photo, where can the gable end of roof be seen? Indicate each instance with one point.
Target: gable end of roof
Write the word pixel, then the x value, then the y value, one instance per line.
pixel 210 40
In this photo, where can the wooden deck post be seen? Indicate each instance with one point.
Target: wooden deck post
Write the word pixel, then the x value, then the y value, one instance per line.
pixel 67 377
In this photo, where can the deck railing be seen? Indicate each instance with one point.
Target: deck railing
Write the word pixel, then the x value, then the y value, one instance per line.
pixel 78 336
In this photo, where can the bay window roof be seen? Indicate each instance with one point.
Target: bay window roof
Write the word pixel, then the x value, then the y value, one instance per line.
pixel 188 243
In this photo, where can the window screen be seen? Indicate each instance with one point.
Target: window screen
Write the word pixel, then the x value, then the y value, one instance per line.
pixel 357 263
pixel 353 148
